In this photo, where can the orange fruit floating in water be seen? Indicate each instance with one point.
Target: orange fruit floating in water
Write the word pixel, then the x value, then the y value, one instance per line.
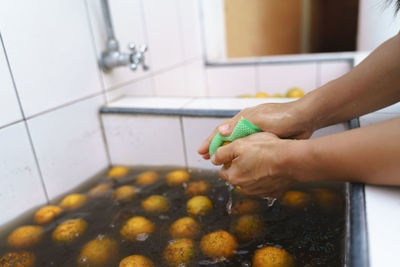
pixel 47 214
pixel 25 236
pixel 156 204
pixel 179 252
pixel 100 252
pixel 197 188
pixel 117 172
pixel 18 259
pixel 177 177
pixel 296 199
pixel 137 228
pixel 136 261
pixel 294 93
pixel 146 178
pixel 99 190
pixel 219 244
pixel 185 227
pixel 272 257
pixel 69 230
pixel 245 206
pixel 248 227
pixel 199 205
pixel 124 193
pixel 73 201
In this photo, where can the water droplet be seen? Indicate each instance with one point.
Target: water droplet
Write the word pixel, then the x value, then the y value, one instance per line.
pixel 142 237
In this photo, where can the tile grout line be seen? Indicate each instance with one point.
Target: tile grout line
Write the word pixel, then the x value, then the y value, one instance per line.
pixel 11 124
pixel 146 37
pixel 95 49
pixel 26 125
pixel 102 84
pixel 183 142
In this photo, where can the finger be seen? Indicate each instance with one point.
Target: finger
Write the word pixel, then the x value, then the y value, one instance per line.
pixel 223 173
pixel 203 149
pixel 224 154
pixel 206 156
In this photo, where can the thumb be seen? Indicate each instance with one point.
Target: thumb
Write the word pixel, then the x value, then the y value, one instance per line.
pixel 227 128
pixel 223 155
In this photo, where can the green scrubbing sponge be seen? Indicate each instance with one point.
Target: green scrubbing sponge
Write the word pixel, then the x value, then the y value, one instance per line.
pixel 243 128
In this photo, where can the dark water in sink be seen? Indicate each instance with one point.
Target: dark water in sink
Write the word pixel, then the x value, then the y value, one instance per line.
pixel 313 236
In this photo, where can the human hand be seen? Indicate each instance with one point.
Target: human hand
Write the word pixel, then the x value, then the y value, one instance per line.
pixel 259 164
pixel 286 120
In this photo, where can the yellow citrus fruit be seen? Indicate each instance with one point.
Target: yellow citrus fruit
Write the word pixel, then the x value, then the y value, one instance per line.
pixel 124 193
pixel 156 203
pixel 296 199
pixel 248 227
pixel 272 257
pixel 99 190
pixel 147 178
pixel 261 95
pixel 47 214
pixel 73 201
pixel 136 261
pixel 177 177
pixel 244 96
pixel 197 188
pixel 25 236
pixel 179 252
pixel 137 228
pixel 18 259
pixel 69 230
pixel 117 172
pixel 277 95
pixel 199 205
pixel 185 227
pixel 245 206
pixel 294 92
pixel 219 244
pixel 99 252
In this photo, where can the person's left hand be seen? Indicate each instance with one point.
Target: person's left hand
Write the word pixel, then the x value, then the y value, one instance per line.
pixel 259 164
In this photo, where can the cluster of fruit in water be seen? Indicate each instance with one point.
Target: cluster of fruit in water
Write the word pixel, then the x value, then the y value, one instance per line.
pixel 180 251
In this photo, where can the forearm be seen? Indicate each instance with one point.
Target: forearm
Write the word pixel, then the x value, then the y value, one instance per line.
pixel 370 155
pixel 371 85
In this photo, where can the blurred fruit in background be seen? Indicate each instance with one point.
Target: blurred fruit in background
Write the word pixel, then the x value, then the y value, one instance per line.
pixel 156 204
pixel 296 199
pixel 99 190
pixel 177 177
pixel 294 93
pixel 100 252
pixel 117 172
pixel 69 230
pixel 25 236
pixel 47 214
pixel 248 227
pixel 246 206
pixel 124 193
pixel 219 244
pixel 179 252
pixel 73 201
pixel 197 188
pixel 136 261
pixel 261 95
pixel 137 228
pixel 18 259
pixel 146 178
pixel 185 227
pixel 272 257
pixel 199 205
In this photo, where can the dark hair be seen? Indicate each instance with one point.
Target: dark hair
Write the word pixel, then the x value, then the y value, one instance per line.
pixel 397 4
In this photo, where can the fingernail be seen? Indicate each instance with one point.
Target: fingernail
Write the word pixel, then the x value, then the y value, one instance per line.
pixel 224 127
pixel 213 159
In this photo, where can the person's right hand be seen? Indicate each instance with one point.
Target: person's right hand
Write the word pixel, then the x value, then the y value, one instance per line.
pixel 286 120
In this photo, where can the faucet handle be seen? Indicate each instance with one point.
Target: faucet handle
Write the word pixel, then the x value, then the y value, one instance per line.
pixel 137 57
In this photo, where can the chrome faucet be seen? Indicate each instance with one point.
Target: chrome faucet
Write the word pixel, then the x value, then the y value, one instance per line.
pixel 112 57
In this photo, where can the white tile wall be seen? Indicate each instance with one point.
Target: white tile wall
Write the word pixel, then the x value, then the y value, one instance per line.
pixel 196 130
pixel 128 23
pixel 191 31
pixel 142 87
pixel 151 102
pixel 9 107
pixel 50 50
pixel 20 185
pixel 69 145
pixel 274 78
pixel 333 70
pixel 162 22
pixel 144 140
pixel 231 81
pixel 194 79
pixel 170 83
